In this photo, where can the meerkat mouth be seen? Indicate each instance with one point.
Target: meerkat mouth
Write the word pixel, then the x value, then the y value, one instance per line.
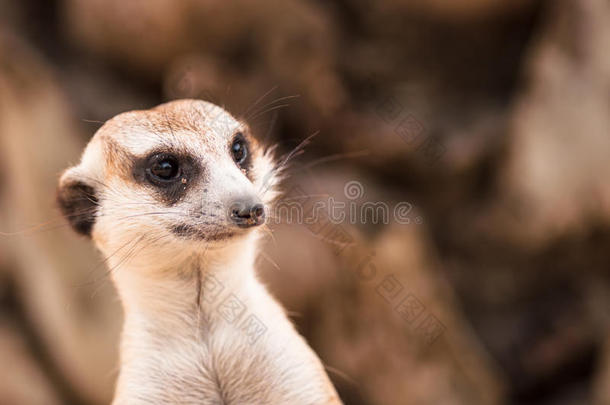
pixel 192 232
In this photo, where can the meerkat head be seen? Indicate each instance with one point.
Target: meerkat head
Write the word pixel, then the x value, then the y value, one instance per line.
pixel 182 174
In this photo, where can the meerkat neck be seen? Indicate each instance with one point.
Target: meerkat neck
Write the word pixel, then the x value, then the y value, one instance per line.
pixel 163 291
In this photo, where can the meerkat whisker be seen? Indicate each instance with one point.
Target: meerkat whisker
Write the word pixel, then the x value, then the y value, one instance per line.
pixel 276 107
pixel 100 263
pixel 257 113
pixel 273 263
pixel 269 104
pixel 261 98
pixel 335 157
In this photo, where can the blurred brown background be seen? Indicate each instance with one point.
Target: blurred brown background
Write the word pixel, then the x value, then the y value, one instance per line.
pixel 491 118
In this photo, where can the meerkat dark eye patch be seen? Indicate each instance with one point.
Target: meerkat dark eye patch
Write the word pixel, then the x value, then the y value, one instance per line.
pixel 78 203
pixel 168 174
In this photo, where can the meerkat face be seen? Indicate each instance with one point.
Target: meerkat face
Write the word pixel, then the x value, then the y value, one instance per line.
pixel 185 172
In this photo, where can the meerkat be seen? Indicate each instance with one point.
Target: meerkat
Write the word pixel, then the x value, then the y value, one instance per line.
pixel 173 198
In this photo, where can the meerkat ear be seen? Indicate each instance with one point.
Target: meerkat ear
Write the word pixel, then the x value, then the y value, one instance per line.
pixel 77 200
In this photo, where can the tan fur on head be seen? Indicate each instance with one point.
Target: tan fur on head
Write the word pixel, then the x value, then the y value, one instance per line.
pixel 172 196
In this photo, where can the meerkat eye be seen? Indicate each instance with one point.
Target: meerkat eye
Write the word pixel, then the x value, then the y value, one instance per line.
pixel 164 168
pixel 239 149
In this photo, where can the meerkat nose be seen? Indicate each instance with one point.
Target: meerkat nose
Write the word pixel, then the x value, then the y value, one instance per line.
pixel 246 215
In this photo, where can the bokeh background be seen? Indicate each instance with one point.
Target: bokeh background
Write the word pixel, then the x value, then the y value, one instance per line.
pixel 490 118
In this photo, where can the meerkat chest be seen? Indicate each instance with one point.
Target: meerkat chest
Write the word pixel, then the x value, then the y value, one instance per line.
pixel 231 363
